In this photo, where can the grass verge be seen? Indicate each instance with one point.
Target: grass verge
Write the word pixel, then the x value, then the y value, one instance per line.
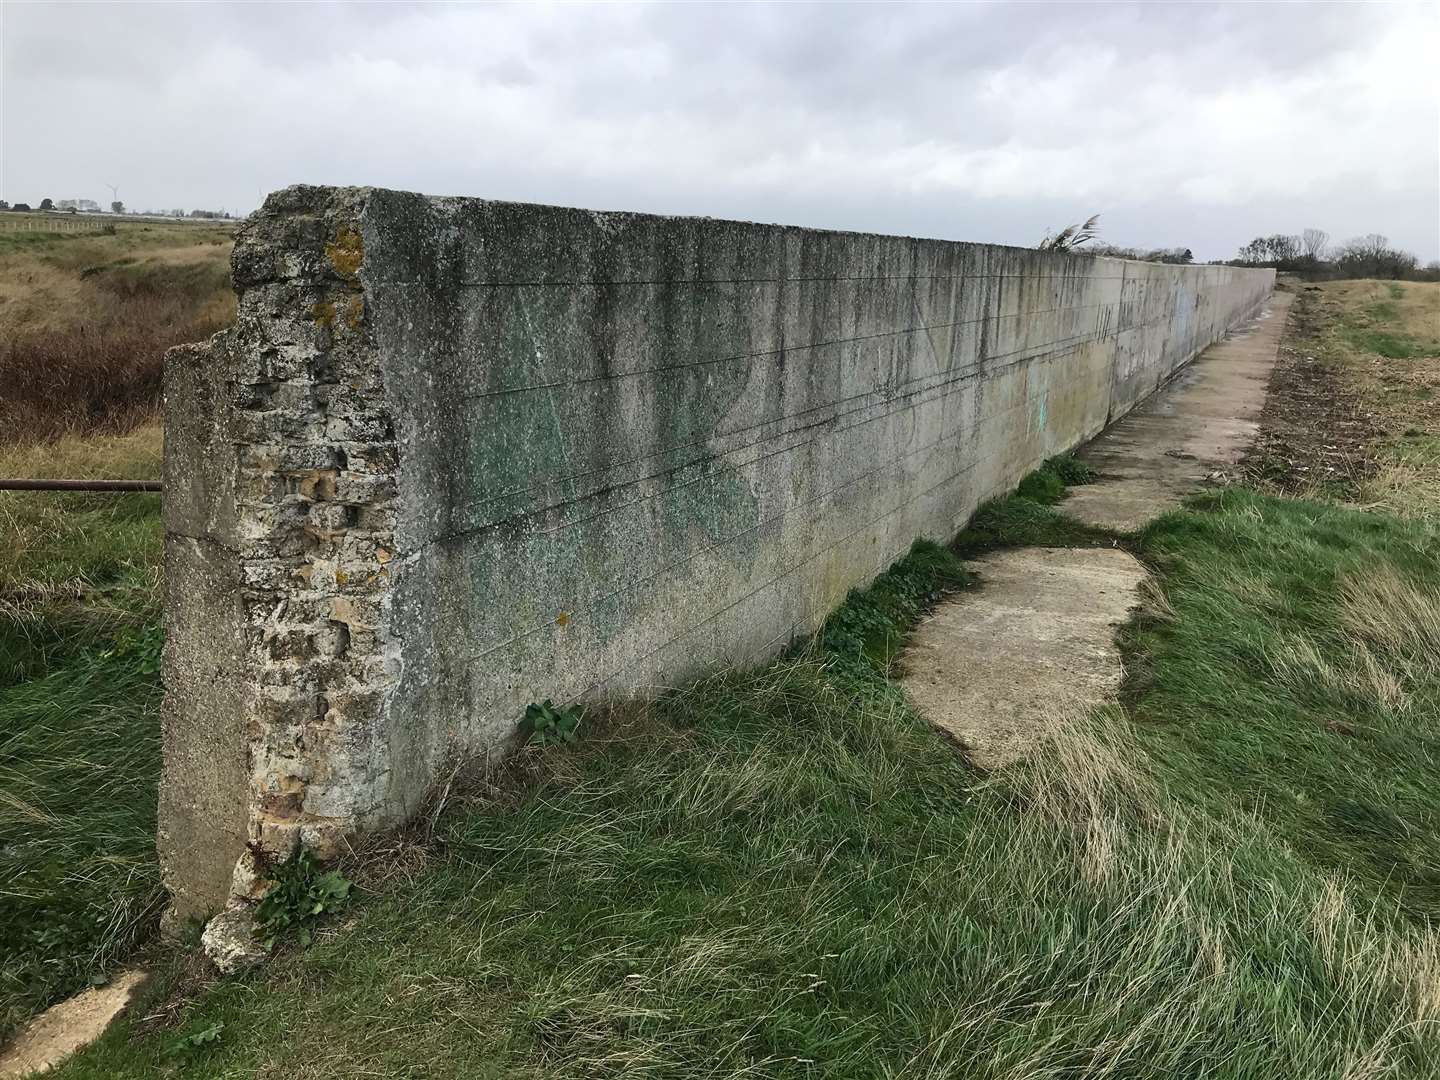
pixel 79 730
pixel 785 873
pixel 1354 406
pixel 1295 679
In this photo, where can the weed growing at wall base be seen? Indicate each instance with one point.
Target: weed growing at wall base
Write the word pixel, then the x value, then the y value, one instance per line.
pixel 302 893
pixel 544 723
pixel 1029 516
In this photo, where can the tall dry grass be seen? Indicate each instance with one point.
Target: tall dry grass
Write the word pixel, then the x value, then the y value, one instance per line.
pixel 100 370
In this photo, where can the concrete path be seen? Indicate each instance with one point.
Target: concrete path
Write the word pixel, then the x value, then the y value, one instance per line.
pixel 999 667
pixel 1196 428
pixel 69 1026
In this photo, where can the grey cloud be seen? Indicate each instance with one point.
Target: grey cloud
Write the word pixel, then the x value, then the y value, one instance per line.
pixel 1184 124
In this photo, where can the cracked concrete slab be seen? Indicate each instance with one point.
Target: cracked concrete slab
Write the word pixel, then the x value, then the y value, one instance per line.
pixel 995 668
pixel 1198 426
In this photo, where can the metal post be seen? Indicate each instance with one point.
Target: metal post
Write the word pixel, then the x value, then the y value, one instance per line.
pixel 80 485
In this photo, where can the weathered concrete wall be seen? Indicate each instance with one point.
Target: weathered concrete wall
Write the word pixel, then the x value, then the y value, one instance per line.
pixel 459 455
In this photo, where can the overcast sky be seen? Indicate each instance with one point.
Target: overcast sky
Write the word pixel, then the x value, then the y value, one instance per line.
pixel 1194 126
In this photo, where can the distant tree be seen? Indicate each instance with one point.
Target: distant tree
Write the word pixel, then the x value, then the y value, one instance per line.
pixel 47 204
pixel 22 206
pixel 1313 243
pixel 1282 249
pixel 4 205
pixel 1372 256
pixel 1370 246
pixel 1255 252
pixel 117 207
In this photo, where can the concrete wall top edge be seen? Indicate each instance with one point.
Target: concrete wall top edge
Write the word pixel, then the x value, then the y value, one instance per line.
pixel 357 202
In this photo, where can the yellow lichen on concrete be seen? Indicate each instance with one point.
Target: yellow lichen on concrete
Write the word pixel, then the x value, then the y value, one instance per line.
pixel 346 252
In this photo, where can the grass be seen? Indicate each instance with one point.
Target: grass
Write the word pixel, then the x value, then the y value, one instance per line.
pixel 85 320
pixel 1381 340
pixel 785 873
pixel 1297 678
pixel 1386 319
pixel 79 730
pixel 1392 346
pixel 1401 394
pixel 1028 516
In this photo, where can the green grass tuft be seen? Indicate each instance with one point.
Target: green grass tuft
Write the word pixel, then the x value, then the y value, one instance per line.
pixel 1389 344
pixel 1028 518
pixel 1298 679
pixel 867 631
pixel 79 884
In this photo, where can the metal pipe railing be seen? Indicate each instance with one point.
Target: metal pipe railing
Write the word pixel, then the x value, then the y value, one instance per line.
pixel 80 485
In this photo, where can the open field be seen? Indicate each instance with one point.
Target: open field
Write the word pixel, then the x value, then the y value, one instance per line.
pixel 1354 411
pixel 784 872
pixel 85 319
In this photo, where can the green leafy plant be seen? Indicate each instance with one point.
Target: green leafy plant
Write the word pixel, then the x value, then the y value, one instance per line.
pixel 302 893
pixel 188 1044
pixel 545 723
pixel 141 646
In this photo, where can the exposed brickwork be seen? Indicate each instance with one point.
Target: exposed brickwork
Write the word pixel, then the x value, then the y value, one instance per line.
pixel 314 504
pixel 316 488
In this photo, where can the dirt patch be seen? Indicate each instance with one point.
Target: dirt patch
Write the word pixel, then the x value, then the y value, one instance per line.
pixel 1316 430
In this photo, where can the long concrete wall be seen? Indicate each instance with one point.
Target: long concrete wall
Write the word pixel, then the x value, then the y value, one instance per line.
pixel 459 455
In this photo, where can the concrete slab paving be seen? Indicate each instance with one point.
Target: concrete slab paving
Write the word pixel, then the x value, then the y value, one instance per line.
pixel 996 668
pixel 1198 426
pixel 999 668
pixel 71 1025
